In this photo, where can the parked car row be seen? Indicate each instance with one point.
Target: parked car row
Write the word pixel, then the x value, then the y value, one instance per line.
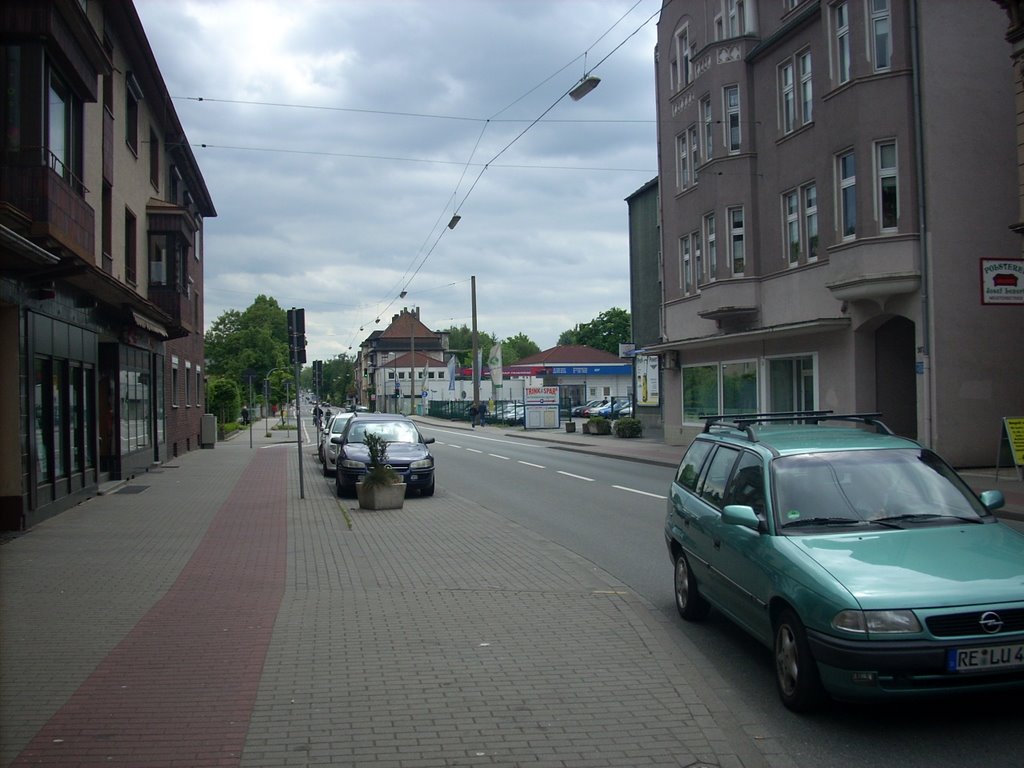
pixel 345 455
pixel 615 408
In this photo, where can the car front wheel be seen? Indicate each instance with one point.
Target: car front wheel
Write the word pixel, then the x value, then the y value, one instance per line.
pixel 796 674
pixel 689 603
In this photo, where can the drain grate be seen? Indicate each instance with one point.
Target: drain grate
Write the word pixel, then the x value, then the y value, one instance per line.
pixel 133 489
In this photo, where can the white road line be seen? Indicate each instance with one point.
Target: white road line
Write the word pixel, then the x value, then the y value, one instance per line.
pixel 642 493
pixel 530 464
pixel 498 456
pixel 578 477
pixel 473 450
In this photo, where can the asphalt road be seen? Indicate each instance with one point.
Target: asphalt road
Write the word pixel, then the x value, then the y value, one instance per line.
pixel 612 511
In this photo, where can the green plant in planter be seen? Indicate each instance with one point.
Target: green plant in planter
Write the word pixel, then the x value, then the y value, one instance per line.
pixel 379 473
pixel 599 425
pixel 628 427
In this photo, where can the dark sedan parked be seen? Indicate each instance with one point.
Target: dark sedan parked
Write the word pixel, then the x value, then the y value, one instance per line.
pixel 407 452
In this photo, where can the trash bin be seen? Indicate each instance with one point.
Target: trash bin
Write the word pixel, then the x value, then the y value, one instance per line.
pixel 208 431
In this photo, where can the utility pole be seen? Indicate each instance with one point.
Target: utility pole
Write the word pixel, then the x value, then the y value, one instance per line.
pixel 476 346
pixel 412 364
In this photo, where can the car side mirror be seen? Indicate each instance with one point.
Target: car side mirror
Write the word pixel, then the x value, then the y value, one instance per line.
pixel 428 440
pixel 993 500
pixel 336 440
pixel 741 514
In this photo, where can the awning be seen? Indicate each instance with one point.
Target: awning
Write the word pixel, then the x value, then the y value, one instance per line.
pixel 150 325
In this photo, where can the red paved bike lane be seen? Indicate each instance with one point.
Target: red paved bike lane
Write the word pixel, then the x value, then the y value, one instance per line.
pixel 179 689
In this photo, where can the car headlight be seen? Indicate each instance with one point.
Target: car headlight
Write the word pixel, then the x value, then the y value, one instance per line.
pixel 881 622
pixel 352 464
pixel 421 464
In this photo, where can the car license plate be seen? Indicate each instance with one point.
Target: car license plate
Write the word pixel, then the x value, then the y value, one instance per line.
pixel 991 657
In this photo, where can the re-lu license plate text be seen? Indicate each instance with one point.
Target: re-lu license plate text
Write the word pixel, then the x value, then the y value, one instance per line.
pixel 970 659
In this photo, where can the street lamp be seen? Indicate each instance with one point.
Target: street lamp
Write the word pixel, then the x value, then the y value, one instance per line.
pixel 586 84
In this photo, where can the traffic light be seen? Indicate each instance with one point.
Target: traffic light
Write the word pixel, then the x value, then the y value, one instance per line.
pixel 296 336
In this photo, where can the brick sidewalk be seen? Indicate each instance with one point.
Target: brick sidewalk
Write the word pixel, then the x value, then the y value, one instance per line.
pixel 137 632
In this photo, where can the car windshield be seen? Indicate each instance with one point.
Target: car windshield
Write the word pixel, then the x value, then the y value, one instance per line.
pixel 892 488
pixel 338 425
pixel 392 431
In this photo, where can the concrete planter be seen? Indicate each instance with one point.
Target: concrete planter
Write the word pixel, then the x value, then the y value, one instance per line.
pixel 381 496
pixel 570 426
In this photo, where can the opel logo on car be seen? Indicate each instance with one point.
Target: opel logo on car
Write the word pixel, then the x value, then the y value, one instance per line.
pixel 990 622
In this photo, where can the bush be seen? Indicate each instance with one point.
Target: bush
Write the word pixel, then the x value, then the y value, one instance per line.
pixel 224 399
pixel 628 427
pixel 599 425
pixel 379 473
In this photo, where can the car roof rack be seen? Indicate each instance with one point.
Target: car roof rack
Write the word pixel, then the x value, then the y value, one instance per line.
pixel 745 422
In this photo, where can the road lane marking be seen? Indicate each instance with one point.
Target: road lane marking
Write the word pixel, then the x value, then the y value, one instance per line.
pixel 531 464
pixel 578 477
pixel 473 450
pixel 642 493
pixel 499 456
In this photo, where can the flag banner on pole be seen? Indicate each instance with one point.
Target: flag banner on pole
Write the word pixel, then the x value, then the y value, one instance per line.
pixel 494 362
pixel 451 373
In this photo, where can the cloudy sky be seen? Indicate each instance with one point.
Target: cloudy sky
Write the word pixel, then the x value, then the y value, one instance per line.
pixel 341 137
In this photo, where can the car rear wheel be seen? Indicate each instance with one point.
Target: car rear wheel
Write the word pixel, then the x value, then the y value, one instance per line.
pixel 689 603
pixel 796 674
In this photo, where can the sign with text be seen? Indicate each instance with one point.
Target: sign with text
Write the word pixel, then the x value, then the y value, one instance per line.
pixel 647 386
pixel 541 407
pixel 1013 437
pixel 1002 281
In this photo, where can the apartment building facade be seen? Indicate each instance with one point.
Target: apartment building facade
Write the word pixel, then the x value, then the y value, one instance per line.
pixel 837 190
pixel 102 206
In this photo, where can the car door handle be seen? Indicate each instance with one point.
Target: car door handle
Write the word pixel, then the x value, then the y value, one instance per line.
pixel 718 543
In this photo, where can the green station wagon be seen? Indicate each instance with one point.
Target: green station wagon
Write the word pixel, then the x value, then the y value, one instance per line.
pixel 862 559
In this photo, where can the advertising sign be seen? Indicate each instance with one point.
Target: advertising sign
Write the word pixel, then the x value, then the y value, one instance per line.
pixel 1002 281
pixel 647 382
pixel 541 407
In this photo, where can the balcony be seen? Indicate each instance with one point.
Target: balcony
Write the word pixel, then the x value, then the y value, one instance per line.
pixel 874 269
pixel 51 197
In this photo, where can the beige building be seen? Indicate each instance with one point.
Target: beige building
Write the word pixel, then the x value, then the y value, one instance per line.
pixel 837 191
pixel 102 207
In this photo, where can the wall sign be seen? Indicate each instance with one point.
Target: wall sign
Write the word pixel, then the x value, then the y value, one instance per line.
pixel 1002 281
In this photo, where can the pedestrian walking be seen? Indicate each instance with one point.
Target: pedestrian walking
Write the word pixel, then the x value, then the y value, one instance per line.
pixel 483 414
pixel 474 411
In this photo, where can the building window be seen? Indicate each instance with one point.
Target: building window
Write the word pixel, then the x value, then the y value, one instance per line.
pixel 881 34
pixel 199 386
pixel 130 240
pixel 841 17
pixel 188 384
pixel 732 117
pixel 694 151
pixel 711 244
pixel 806 88
pixel 734 14
pixel 739 387
pixel 888 195
pixel 174 381
pixel 133 94
pixel 787 98
pixel 708 123
pixel 737 250
pixel 791 225
pixel 847 195
pixel 698 264
pixel 791 384
pixel 700 392
pixel 685 265
pixel 682 70
pixel 682 162
pixel 154 160
pixel 810 200
pixel 719 27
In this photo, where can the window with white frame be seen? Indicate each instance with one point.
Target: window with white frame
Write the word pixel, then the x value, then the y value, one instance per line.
pixel 787 97
pixel 691 133
pixel 806 88
pixel 888 192
pixel 707 123
pixel 734 17
pixel 733 136
pixel 739 387
pixel 683 58
pixel 719 27
pixel 791 384
pixel 881 35
pixel 847 194
pixel 711 245
pixel 809 193
pixel 737 241
pixel 698 264
pixel 841 26
pixel 199 385
pixel 682 162
pixel 188 384
pixel 685 265
pixel 791 226
pixel 174 381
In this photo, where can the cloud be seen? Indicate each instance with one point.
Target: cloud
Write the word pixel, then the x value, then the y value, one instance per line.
pixel 341 136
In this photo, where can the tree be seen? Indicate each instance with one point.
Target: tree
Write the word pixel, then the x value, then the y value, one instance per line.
pixel 252 341
pixel 606 331
pixel 460 342
pixel 517 347
pixel 223 398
